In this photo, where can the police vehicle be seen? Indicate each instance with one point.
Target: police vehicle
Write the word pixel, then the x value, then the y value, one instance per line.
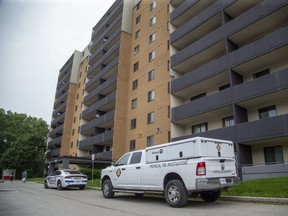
pixel 66 178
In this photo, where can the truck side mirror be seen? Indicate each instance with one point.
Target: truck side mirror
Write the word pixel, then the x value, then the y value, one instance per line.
pixel 113 164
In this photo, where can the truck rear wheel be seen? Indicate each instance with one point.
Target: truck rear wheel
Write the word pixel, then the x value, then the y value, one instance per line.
pixel 210 196
pixel 107 189
pixel 175 193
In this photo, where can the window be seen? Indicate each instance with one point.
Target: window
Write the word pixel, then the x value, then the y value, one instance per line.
pixel 137 34
pixel 151 75
pixel 152 37
pixel 136 158
pixel 229 121
pixel 138 6
pixel 134 103
pixel 138 19
pixel 273 155
pixel 153 5
pixel 151 95
pixel 71 146
pixel 152 56
pixel 150 118
pixel 267 112
pixel 123 160
pixel 135 84
pixel 150 141
pixel 132 145
pixel 221 88
pixel 199 128
pixel 133 124
pixel 136 67
pixel 152 21
pixel 198 96
pixel 261 73
pixel 136 49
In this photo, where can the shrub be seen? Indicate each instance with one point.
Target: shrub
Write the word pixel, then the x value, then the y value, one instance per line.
pixel 88 172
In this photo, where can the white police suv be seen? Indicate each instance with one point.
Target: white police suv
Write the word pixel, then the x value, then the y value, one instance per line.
pixel 66 178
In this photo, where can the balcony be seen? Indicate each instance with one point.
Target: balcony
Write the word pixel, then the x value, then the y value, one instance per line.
pixel 104 121
pixel 60 100
pixel 105 73
pixel 199 26
pixel 249 26
pixel 100 139
pixel 220 100
pixel 54 142
pixel 60 109
pixel 105 19
pixel 188 10
pixel 206 49
pixel 58 120
pixel 105 104
pixel 262 86
pixel 106 41
pixel 263 129
pixel 176 3
pixel 53 153
pixel 227 133
pixel 62 90
pixel 57 131
pixel 104 156
pixel 105 88
pixel 266 51
pixel 183 84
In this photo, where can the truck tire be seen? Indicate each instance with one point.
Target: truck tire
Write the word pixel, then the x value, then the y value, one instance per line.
pixel 210 196
pixel 175 193
pixel 107 189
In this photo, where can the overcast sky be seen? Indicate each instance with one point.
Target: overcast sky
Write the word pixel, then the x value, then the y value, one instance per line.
pixel 37 37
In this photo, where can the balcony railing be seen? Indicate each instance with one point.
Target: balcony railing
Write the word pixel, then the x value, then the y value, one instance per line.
pixel 100 139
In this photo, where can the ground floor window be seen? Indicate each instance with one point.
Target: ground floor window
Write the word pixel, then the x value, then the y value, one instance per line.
pixel 273 155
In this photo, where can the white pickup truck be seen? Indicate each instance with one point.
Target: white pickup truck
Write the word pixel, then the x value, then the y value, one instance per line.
pixel 195 166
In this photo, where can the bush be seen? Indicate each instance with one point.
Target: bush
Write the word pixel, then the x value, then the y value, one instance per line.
pixel 88 172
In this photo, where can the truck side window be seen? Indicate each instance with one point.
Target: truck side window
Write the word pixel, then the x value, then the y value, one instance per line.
pixel 136 158
pixel 123 160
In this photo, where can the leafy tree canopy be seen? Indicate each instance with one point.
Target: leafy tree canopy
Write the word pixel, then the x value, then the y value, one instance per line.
pixel 22 143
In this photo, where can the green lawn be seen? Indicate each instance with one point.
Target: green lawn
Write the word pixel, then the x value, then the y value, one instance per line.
pixel 271 187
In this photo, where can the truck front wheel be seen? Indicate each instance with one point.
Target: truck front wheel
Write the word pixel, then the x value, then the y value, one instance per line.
pixel 210 196
pixel 175 193
pixel 107 189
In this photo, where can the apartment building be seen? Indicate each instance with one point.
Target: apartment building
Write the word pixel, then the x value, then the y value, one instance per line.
pixel 162 70
pixel 126 106
pixel 231 78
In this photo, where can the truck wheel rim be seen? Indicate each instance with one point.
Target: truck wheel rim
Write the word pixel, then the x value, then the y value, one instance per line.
pixel 106 189
pixel 173 194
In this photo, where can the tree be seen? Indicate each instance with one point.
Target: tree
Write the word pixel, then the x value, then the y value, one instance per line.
pixel 22 143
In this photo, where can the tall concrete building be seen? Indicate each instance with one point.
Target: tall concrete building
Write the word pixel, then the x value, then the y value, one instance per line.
pixel 231 78
pixel 160 70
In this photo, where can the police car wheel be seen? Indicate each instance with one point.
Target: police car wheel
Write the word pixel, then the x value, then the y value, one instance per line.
pixel 45 184
pixel 175 193
pixel 59 185
pixel 107 189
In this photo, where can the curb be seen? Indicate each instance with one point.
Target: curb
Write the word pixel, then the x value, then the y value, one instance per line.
pixel 255 199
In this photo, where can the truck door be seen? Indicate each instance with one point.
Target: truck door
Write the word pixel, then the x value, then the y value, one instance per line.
pixel 119 172
pixel 133 172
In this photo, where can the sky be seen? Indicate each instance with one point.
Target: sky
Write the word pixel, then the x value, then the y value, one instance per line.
pixel 37 37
